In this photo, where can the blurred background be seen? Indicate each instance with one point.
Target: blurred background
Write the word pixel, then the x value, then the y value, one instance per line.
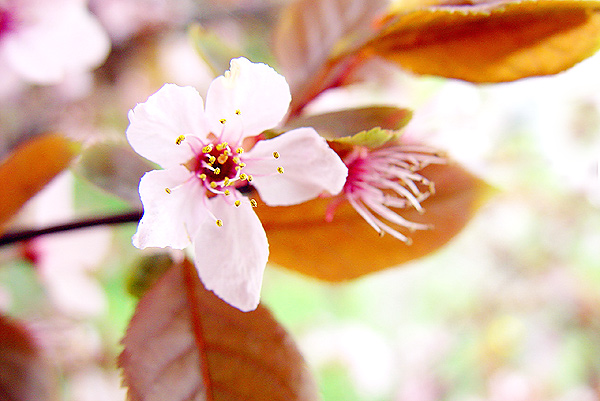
pixel 507 311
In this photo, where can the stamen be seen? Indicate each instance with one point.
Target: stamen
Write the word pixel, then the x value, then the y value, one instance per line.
pixel 280 170
pixel 222 146
pixel 180 139
pixel 386 178
pixel 167 190
pixel 238 112
pixel 253 202
pixel 222 121
pixel 219 222
pixel 227 192
pixel 250 178
pixel 243 177
pixel 211 159
pixel 208 148
pixel 237 203
pixel 276 155
pixel 239 151
pixel 202 176
pixel 213 185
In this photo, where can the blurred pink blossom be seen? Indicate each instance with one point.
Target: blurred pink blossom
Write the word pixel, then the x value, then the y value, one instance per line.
pixel 46 41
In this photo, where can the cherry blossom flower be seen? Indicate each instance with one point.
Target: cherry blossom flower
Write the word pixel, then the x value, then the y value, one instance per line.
pixel 45 41
pixel 207 163
pixel 380 179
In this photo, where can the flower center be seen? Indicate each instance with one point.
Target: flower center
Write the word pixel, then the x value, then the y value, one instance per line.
pixel 219 166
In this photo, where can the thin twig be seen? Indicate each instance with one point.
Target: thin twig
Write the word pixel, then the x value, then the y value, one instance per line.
pixel 25 235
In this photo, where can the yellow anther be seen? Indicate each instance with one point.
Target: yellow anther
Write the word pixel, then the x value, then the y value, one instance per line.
pixel 226 181
pixel 243 176
pixel 239 151
pixel 208 148
pixel 211 159
pixel 238 112
pixel 249 178
pixel 227 192
pixel 222 121
pixel 217 171
pixel 222 158
pixel 253 202
pixel 280 170
pixel 237 168
pixel 213 185
pixel 276 155
pixel 242 164
pixel 167 190
pixel 237 203
pixel 202 176
pixel 219 222
pixel 180 139
pixel 222 145
pixel 236 160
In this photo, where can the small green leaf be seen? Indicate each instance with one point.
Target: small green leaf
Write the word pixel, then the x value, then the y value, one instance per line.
pixel 373 138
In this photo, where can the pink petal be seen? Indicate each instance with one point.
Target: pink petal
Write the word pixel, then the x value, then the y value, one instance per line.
pixel 55 40
pixel 170 219
pixel 231 259
pixel 155 126
pixel 261 95
pixel 310 167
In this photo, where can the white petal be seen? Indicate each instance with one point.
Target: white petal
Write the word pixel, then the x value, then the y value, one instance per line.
pixel 231 259
pixel 261 95
pixel 310 167
pixel 170 219
pixel 155 125
pixel 55 40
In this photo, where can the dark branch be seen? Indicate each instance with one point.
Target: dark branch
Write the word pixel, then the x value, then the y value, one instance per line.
pixel 17 236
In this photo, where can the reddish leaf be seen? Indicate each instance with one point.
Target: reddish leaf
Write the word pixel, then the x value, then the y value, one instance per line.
pixel 24 373
pixel 184 343
pixel 29 168
pixel 347 247
pixel 490 41
pixel 310 33
pixel 346 122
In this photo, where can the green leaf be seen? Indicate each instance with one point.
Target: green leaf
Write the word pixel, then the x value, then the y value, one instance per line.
pixel 373 138
pixel 213 50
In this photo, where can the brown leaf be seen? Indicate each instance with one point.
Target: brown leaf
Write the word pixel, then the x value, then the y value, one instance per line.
pixel 492 41
pixel 24 373
pixel 309 34
pixel 29 168
pixel 337 124
pixel 184 343
pixel 347 247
